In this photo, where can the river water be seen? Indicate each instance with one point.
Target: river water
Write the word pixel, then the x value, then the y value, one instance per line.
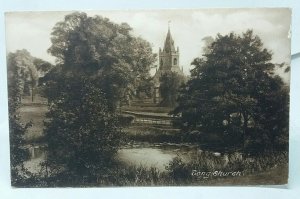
pixel 158 155
pixel 138 154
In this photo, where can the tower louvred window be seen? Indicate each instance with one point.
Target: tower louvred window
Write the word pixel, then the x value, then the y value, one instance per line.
pixel 175 61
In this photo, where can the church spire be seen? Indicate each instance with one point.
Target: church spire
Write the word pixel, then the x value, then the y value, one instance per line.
pixel 169 43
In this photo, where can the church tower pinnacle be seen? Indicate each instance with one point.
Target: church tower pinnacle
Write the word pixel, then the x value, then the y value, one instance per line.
pixel 169 56
pixel 169 43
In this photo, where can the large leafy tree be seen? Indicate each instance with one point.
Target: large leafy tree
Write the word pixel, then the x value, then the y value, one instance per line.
pixel 233 90
pixel 82 133
pixel 28 69
pixel 104 50
pixel 98 63
pixel 27 72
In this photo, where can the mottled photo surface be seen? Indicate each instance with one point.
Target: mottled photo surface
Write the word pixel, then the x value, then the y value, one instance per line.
pixel 149 98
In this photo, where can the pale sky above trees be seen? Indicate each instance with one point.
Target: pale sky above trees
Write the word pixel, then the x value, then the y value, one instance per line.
pixel 31 30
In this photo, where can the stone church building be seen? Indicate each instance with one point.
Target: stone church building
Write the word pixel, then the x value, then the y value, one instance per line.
pixel 168 62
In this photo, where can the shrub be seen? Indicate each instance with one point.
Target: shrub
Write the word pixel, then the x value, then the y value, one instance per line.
pixel 178 170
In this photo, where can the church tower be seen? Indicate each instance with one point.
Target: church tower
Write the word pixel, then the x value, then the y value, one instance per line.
pixel 169 57
pixel 168 61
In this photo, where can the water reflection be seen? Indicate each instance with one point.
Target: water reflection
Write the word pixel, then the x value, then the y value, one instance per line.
pixel 136 154
pixel 154 155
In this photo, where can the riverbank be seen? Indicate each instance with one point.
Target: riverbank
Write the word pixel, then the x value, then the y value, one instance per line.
pixel 160 155
pixel 255 171
pixel 267 169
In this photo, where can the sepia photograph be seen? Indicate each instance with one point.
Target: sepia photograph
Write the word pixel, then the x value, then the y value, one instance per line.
pixel 175 97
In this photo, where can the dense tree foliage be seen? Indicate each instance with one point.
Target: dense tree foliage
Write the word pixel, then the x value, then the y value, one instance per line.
pixel 99 64
pixel 102 49
pixel 233 91
pixel 18 154
pixel 42 66
pixel 144 87
pixel 169 86
pixel 82 133
pixel 28 69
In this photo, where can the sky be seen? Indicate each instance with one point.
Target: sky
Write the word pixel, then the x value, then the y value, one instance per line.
pixel 31 30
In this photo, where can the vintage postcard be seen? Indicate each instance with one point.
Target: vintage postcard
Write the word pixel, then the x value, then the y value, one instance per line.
pixel 149 97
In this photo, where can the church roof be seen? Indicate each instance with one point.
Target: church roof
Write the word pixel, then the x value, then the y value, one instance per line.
pixel 169 43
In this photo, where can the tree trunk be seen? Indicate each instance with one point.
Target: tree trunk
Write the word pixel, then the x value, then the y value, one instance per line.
pixel 245 127
pixel 32 95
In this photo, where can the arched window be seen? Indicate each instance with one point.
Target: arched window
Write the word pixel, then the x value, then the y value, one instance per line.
pixel 174 61
pixel 161 62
